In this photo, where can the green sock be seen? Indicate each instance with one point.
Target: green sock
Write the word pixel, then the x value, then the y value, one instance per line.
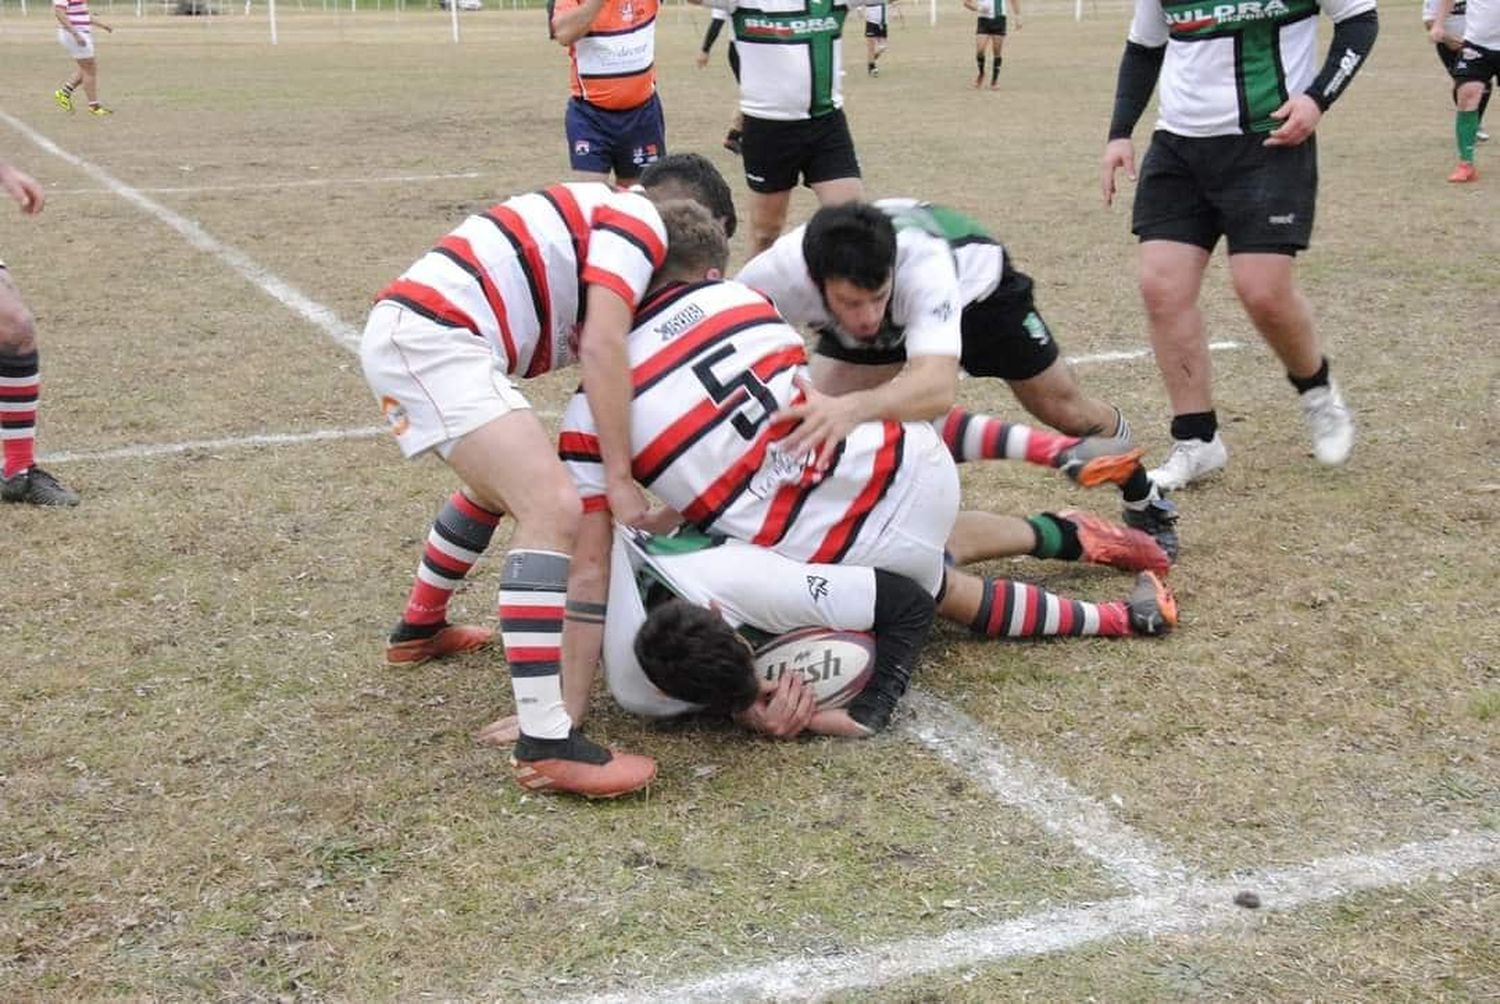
pixel 1466 126
pixel 1055 537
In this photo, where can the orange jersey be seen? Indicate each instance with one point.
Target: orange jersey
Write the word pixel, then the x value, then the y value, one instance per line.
pixel 614 65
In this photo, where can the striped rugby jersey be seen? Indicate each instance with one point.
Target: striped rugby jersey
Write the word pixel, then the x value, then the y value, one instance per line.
pixel 614 65
pixel 1229 65
pixel 515 274
pixel 78 14
pixel 791 55
pixel 711 362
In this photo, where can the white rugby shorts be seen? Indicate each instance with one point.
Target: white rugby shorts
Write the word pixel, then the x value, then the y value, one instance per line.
pixel 434 384
pixel 84 51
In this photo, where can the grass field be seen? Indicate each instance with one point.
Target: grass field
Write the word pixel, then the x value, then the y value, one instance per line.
pixel 211 786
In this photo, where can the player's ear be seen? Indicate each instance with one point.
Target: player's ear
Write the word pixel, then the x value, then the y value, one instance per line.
pixel 714 273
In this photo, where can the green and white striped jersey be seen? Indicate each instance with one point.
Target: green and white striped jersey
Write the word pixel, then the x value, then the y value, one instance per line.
pixel 791 55
pixel 1229 65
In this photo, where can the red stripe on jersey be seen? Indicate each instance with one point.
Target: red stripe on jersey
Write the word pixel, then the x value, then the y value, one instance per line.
pixel 702 335
pixel 837 541
pixel 567 208
pixel 536 276
pixel 464 251
pixel 635 227
pixel 429 301
pixel 713 499
pixel 579 444
pixel 592 275
pixel 595 503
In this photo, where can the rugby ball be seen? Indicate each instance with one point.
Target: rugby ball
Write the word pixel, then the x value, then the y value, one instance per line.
pixel 836 664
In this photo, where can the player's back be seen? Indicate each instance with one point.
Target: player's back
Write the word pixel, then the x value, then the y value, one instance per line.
pixel 514 273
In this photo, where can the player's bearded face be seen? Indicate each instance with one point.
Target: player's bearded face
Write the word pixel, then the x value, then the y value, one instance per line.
pixel 857 311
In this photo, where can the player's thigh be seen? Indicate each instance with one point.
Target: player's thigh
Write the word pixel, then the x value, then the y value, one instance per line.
pixel 512 461
pixel 1170 199
pixel 433 383
pixel 1003 335
pixel 17 326
pixel 1267 195
pixel 589 145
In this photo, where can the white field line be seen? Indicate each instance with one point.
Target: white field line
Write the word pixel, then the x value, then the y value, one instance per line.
pixel 364 432
pixel 273 286
pixel 1197 907
pixel 1046 798
pixel 248 186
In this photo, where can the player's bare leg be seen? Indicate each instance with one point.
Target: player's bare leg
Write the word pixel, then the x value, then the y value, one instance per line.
pixel 20 392
pixel 767 217
pixel 1054 396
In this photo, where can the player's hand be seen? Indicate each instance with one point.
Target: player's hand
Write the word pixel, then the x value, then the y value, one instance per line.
pixel 1437 34
pixel 1299 117
pixel 500 733
pixel 1015 21
pixel 23 188
pixel 1118 153
pixel 701 59
pixel 836 722
pixel 660 520
pixel 825 422
pixel 106 27
pixel 627 503
pixel 783 710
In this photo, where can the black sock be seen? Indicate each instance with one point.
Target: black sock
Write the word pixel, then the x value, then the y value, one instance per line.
pixel 995 72
pixel 1202 425
pixel 1318 379
pixel 1138 487
pixel 1055 537
pixel 406 632
pixel 979 62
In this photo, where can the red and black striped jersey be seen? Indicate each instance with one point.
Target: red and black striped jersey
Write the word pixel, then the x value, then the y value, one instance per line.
pixel 711 363
pixel 515 274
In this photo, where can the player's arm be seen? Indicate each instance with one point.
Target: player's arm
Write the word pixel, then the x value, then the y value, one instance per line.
pixel 1355 26
pixel 584 612
pixel 573 18
pixel 1140 66
pixel 1435 28
pixel 971 5
pixel 710 36
pixel 1015 13
pixel 903 619
pixel 60 11
pixel 96 21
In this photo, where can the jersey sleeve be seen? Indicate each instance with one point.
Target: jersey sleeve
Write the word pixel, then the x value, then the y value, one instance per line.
pixel 779 273
pixel 724 5
pixel 926 299
pixel 578 448
pixel 627 243
pixel 1149 25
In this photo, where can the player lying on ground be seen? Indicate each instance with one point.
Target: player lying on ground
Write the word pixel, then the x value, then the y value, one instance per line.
pixel 902 295
pixel 687 614
pixel 518 290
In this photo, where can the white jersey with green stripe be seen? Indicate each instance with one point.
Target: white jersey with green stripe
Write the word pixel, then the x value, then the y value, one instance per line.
pixel 758 593
pixel 1229 65
pixel 944 262
pixel 791 56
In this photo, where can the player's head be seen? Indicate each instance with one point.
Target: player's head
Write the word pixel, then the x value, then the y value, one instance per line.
pixel 696 246
pixel 689 653
pixel 691 176
pixel 850 250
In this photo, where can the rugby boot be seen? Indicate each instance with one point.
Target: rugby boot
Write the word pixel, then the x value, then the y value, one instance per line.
pixel 1095 461
pixel 1330 423
pixel 405 649
pixel 1157 517
pixel 37 487
pixel 64 99
pixel 1106 543
pixel 1190 460
pixel 1464 173
pixel 100 110
pixel 1153 608
pixel 578 766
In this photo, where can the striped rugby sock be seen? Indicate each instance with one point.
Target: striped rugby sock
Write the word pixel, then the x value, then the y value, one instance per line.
pixel 20 389
pixel 1012 609
pixel 458 537
pixel 970 436
pixel 533 594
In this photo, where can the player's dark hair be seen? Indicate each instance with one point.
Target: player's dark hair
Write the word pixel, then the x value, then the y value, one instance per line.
pixel 695 242
pixel 689 653
pixel 852 241
pixel 692 176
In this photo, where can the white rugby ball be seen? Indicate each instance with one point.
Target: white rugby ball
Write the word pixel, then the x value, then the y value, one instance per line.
pixel 836 664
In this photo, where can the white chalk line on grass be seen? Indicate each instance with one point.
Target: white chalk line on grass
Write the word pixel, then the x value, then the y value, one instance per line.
pixel 364 432
pixel 1046 798
pixel 272 285
pixel 1193 908
pixel 248 186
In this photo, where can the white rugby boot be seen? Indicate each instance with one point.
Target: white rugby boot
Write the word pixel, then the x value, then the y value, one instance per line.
pixel 1331 424
pixel 1190 460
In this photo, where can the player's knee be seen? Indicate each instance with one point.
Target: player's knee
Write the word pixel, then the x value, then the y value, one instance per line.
pixel 1264 299
pixel 553 509
pixel 17 327
pixel 1163 290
